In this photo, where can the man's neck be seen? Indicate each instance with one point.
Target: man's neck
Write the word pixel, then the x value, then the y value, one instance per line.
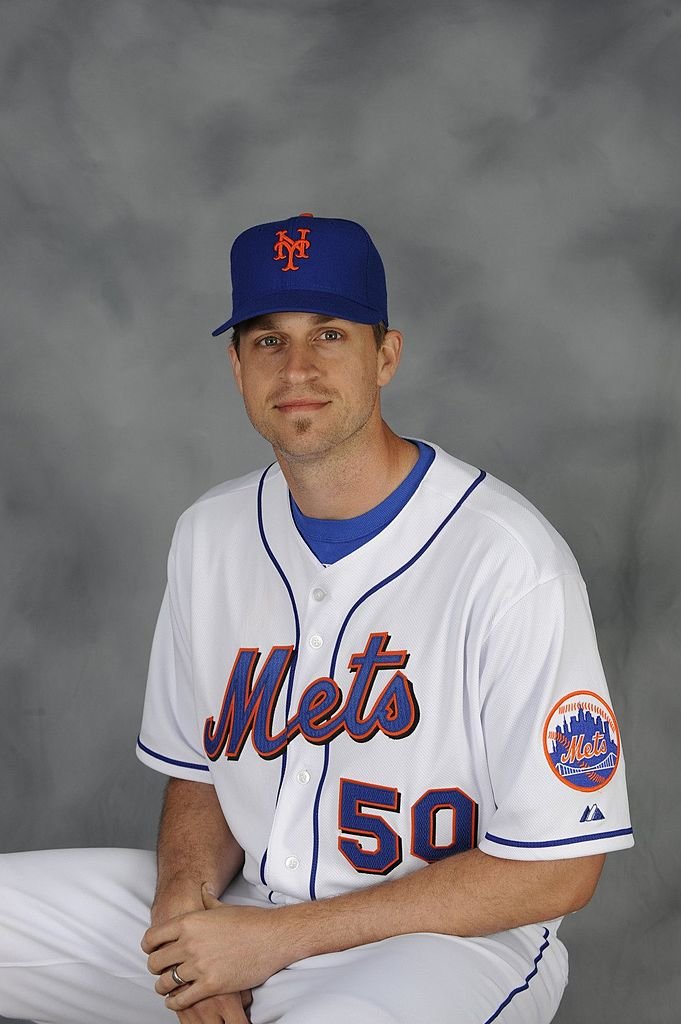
pixel 348 482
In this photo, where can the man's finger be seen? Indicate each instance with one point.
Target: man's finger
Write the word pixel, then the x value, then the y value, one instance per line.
pixel 210 900
pixel 167 984
pixel 183 998
pixel 160 934
pixel 165 959
pixel 215 1010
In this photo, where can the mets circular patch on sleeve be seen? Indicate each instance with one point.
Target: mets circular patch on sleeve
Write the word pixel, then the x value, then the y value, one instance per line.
pixel 581 741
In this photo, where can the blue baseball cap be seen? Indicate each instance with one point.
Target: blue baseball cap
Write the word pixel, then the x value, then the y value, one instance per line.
pixel 307 264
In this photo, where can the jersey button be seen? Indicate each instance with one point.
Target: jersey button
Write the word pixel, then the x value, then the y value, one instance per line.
pixel 318 594
pixel 303 776
pixel 315 641
pixel 291 863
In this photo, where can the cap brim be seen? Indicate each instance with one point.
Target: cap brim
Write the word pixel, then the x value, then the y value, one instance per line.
pixel 306 302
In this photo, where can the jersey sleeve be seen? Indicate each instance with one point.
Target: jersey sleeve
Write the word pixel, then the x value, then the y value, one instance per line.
pixel 169 739
pixel 553 744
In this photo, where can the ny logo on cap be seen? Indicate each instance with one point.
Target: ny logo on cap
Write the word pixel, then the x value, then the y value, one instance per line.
pixel 287 247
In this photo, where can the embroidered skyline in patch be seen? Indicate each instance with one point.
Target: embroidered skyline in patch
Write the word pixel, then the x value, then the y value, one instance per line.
pixel 581 741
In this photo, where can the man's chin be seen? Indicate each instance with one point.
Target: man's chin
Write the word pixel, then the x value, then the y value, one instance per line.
pixel 301 453
pixel 305 441
pixel 302 446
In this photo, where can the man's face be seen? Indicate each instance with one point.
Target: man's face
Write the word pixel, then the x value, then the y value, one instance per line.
pixel 311 383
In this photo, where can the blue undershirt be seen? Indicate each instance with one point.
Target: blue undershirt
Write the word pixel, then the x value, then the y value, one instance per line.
pixel 331 539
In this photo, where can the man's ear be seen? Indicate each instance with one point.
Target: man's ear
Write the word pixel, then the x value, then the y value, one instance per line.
pixel 389 356
pixel 236 366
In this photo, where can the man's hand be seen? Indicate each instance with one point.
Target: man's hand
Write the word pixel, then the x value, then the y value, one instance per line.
pixel 194 844
pixel 221 949
pixel 227 1009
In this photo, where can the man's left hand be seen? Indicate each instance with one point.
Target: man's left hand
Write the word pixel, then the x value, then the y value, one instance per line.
pixel 218 950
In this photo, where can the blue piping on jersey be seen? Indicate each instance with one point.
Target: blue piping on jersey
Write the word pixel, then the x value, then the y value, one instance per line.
pixel 528 979
pixel 262 868
pixel 292 671
pixel 171 760
pixel 378 586
pixel 559 842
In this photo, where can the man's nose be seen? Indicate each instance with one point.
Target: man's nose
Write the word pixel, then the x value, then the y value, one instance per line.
pixel 300 364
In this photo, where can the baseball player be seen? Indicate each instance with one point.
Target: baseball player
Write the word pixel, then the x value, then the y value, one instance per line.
pixel 376 688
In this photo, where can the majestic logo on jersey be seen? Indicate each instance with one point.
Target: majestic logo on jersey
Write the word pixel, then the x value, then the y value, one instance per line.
pixel 249 703
pixel 285 248
pixel 592 812
pixel 581 741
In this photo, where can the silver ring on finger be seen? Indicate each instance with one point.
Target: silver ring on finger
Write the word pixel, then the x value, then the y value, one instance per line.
pixel 176 977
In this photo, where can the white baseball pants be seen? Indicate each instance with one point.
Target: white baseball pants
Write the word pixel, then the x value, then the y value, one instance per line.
pixel 71 923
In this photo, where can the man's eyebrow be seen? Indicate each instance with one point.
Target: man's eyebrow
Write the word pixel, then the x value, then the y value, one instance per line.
pixel 268 323
pixel 260 323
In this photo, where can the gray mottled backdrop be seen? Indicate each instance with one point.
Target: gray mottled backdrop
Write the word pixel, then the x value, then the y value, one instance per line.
pixel 519 166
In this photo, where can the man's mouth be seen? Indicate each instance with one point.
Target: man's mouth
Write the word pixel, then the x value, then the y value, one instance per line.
pixel 298 405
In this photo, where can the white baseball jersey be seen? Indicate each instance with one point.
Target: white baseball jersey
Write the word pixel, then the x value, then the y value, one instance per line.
pixel 437 689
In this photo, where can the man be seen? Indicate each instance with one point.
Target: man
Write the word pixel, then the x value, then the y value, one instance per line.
pixel 375 686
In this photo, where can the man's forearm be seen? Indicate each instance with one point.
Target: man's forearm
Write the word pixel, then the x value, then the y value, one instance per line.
pixel 230 948
pixel 470 894
pixel 195 845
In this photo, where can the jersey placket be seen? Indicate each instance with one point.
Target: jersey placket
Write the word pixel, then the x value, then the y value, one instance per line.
pixel 290 846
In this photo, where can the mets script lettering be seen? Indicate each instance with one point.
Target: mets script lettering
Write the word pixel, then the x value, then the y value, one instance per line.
pixel 580 749
pixel 285 248
pixel 250 700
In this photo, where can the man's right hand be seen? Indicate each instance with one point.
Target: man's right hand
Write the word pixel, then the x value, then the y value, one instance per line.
pixel 228 1009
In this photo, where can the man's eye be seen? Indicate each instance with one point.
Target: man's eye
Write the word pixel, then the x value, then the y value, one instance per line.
pixel 331 335
pixel 270 341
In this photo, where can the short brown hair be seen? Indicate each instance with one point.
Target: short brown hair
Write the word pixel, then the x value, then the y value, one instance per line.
pixel 379 330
